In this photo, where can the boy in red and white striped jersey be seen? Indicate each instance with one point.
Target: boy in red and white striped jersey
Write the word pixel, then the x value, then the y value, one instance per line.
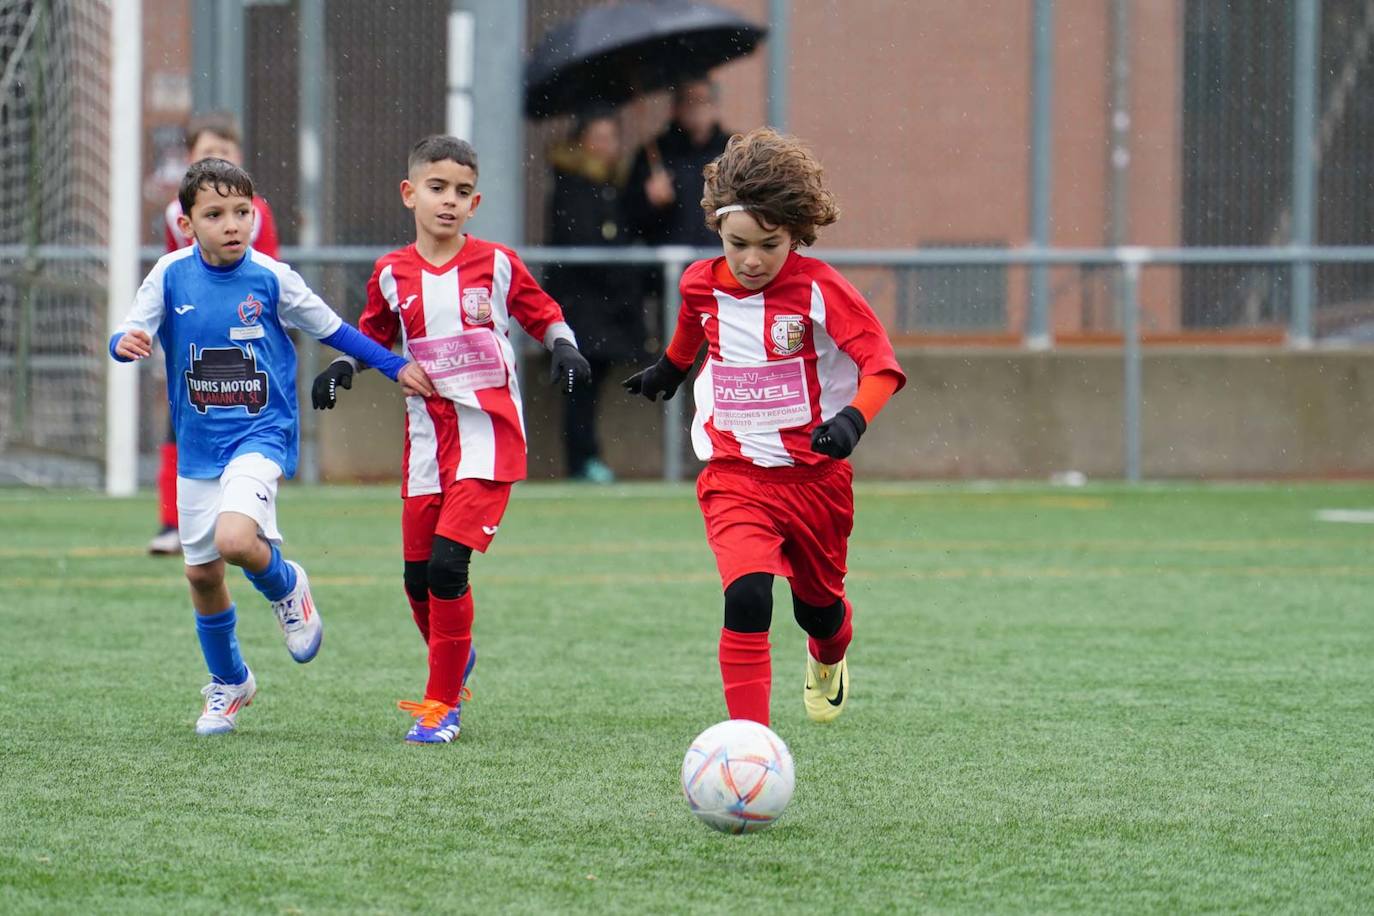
pixel 451 298
pixel 797 367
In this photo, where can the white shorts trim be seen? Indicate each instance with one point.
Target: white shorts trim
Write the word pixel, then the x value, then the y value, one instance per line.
pixel 247 486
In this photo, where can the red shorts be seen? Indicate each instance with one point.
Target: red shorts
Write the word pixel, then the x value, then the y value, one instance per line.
pixel 468 512
pixel 798 528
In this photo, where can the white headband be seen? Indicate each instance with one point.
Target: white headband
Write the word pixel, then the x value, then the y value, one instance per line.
pixel 730 208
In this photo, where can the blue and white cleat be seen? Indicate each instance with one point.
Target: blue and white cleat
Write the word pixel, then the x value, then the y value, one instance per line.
pixel 437 722
pixel 299 619
pixel 222 705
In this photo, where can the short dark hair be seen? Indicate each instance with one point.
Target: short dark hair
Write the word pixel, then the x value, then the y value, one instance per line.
pixel 438 147
pixel 220 123
pixel 220 174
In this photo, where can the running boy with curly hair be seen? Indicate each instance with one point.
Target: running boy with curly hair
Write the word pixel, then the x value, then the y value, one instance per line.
pixel 797 367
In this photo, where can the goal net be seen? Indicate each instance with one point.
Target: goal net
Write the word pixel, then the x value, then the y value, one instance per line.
pixel 54 175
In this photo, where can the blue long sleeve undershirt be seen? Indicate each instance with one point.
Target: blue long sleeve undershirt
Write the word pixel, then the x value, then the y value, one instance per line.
pixel 347 339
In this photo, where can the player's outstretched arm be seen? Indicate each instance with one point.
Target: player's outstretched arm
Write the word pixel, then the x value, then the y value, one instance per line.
pixel 662 378
pixel 570 368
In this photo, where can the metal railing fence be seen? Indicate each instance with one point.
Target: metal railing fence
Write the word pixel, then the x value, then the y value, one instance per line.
pixel 19 262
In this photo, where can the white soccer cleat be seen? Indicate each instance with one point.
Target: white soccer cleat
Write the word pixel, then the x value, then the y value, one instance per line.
pixel 222 705
pixel 166 543
pixel 300 621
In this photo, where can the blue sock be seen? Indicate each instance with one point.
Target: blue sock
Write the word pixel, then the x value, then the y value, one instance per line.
pixel 220 646
pixel 277 580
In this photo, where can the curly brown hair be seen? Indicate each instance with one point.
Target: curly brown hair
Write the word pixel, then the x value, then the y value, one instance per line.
pixel 776 178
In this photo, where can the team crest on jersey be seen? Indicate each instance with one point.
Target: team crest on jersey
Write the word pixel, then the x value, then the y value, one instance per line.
pixel 477 304
pixel 250 310
pixel 788 333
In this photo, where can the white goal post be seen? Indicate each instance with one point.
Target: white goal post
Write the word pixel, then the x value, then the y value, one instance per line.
pixel 121 389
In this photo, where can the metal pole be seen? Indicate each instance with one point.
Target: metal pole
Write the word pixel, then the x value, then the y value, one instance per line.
pixel 217 43
pixel 311 73
pixel 1120 115
pixel 672 410
pixel 498 127
pixel 1131 358
pixel 1037 333
pixel 779 41
pixel 121 387
pixel 1306 37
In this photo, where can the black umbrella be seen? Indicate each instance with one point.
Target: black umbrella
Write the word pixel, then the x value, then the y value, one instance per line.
pixel 610 53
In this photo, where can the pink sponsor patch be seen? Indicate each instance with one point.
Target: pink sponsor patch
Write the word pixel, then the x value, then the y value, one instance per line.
pixel 760 398
pixel 463 363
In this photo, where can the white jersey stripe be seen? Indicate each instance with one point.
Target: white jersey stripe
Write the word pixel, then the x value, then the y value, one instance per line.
pixel 838 374
pixel 704 395
pixel 476 439
pixel 500 319
pixel 386 282
pixel 440 293
pixel 740 325
pixel 422 473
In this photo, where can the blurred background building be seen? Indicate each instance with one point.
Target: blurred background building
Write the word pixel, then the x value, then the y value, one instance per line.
pixel 984 126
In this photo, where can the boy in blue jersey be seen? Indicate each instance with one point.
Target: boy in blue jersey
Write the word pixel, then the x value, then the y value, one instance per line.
pixel 221 311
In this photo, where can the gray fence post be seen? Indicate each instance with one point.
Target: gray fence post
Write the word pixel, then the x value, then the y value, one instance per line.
pixel 1306 37
pixel 1037 331
pixel 1131 391
pixel 674 262
pixel 779 56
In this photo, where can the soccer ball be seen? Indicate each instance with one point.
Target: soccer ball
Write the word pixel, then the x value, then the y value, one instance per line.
pixel 737 776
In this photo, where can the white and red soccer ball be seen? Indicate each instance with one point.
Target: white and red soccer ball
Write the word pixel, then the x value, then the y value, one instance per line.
pixel 738 776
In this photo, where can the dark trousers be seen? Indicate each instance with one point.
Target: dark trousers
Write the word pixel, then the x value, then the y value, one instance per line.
pixel 580 444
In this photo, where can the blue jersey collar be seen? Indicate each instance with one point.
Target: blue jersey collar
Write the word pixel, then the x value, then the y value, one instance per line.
pixel 225 270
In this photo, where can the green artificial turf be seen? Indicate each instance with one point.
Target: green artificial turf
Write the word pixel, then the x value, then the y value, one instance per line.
pixel 1099 699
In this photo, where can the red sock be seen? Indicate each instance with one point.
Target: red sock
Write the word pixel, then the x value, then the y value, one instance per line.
pixel 746 669
pixel 450 639
pixel 419 610
pixel 167 485
pixel 829 651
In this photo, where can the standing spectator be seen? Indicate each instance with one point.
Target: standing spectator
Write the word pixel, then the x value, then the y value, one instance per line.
pixel 601 302
pixel 663 195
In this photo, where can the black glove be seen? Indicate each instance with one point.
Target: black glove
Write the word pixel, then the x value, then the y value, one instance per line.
pixel 570 368
pixel 837 436
pixel 660 378
pixel 324 393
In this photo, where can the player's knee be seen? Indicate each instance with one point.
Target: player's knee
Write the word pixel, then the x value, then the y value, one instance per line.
pixel 206 577
pixel 448 568
pixel 417 579
pixel 820 621
pixel 235 545
pixel 749 603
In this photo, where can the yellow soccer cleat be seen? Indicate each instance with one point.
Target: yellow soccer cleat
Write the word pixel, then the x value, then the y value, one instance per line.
pixel 827 689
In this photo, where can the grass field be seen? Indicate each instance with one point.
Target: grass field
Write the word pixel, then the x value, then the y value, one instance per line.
pixel 1092 700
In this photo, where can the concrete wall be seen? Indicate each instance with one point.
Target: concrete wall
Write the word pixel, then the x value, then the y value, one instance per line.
pixel 999 414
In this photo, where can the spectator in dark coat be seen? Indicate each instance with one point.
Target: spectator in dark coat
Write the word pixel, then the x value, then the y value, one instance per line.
pixel 663 194
pixel 602 303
